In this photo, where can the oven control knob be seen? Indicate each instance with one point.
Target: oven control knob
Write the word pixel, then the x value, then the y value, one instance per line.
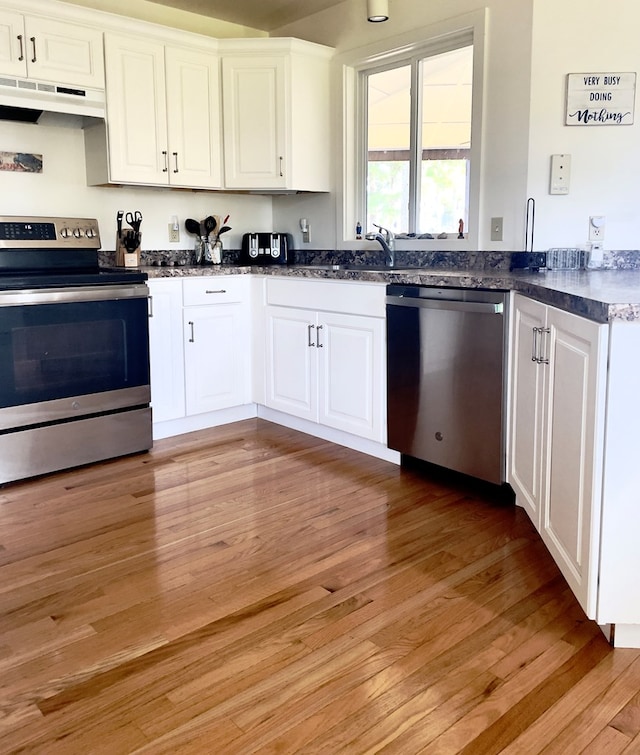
pixel 65 233
pixel 78 233
pixel 90 233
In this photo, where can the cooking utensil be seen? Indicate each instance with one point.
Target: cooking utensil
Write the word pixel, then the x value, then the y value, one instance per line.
pixel 131 241
pixel 192 226
pixel 119 217
pixel 224 229
pixel 135 220
pixel 209 225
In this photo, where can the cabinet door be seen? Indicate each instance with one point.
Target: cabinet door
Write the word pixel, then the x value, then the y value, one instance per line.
pixel 136 111
pixel 166 350
pixel 291 379
pixel 193 118
pixel 216 349
pixel 13 50
pixel 64 53
pixel 352 380
pixel 527 406
pixel 571 515
pixel 254 121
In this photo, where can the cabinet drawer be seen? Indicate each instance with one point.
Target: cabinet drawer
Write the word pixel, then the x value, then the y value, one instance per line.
pixel 357 298
pixel 214 289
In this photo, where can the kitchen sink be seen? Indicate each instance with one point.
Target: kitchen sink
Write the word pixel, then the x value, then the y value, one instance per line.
pixel 363 268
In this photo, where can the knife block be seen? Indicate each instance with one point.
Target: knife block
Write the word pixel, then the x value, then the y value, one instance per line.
pixel 125 258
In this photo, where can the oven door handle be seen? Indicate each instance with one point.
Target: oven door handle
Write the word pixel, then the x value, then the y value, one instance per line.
pixel 73 294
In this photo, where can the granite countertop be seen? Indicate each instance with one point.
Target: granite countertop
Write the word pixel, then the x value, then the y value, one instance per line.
pixel 599 295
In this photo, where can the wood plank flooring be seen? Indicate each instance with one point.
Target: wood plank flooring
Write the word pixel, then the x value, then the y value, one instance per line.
pixel 250 589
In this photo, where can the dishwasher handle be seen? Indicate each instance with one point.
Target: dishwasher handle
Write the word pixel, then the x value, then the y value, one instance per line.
pixel 493 308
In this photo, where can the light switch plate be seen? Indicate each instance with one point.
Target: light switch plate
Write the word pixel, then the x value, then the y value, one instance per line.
pixel 560 174
pixel 496 229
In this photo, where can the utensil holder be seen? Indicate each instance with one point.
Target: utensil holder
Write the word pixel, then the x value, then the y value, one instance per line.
pixel 213 252
pixel 199 251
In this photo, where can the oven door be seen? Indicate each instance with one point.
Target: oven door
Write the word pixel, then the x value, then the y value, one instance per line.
pixel 72 352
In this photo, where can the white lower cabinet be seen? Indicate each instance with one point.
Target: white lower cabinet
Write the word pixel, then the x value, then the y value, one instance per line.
pixel 217 344
pixel 200 345
pixel 558 385
pixel 326 367
pixel 166 349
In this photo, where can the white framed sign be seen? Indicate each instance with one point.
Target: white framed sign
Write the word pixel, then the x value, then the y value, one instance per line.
pixel 600 99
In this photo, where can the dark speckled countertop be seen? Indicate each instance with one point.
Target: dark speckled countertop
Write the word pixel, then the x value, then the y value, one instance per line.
pixel 600 295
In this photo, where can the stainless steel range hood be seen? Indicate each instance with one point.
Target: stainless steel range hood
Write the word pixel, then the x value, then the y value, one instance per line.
pixel 29 101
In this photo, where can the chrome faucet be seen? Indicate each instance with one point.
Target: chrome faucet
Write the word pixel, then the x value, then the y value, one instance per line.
pixel 387 241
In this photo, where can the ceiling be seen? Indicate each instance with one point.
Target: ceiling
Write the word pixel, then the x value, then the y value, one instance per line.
pixel 258 14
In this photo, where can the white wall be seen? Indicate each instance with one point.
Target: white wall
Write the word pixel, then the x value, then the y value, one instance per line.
pixel 506 125
pixel 61 189
pixel 532 45
pixel 580 37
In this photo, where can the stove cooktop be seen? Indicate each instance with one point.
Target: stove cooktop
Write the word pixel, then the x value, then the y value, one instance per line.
pixel 58 279
pixel 49 252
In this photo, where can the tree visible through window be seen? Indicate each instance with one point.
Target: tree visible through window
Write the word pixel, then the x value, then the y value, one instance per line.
pixel 419 143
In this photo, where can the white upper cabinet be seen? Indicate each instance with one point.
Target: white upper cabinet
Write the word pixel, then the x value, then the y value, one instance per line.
pixel 193 118
pixel 163 117
pixel 276 114
pixel 46 49
pixel 136 111
pixel 255 124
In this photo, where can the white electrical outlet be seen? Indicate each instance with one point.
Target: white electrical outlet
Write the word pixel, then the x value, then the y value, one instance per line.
pixel 596 228
pixel 560 174
pixel 174 234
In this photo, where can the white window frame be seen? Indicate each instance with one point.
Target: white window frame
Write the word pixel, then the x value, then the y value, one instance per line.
pixel 451 34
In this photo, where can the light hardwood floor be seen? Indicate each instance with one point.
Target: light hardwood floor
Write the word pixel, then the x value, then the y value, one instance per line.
pixel 252 589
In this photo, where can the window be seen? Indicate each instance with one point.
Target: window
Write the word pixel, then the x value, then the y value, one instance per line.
pixel 416 121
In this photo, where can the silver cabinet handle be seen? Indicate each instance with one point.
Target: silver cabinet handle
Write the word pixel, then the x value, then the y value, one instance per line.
pixel 319 345
pixel 33 42
pixel 21 41
pixel 309 341
pixel 151 306
pixel 544 341
pixel 281 160
pixel 175 156
pixel 539 345
pixel 216 291
pixel 166 161
pixel 193 337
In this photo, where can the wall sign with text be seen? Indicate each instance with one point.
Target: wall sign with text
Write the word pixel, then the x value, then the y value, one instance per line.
pixel 600 99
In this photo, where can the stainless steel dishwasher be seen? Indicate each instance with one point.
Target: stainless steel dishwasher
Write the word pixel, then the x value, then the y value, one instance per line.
pixel 446 377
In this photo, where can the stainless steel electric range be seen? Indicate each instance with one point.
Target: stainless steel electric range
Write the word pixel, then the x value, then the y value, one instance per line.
pixel 74 350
